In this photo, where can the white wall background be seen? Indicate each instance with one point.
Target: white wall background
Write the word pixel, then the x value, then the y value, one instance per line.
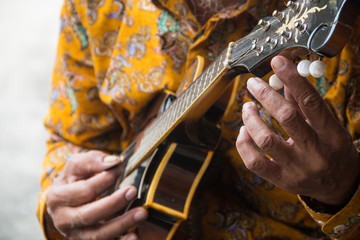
pixel 28 35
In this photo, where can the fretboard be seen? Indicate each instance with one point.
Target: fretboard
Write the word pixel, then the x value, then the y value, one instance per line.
pixel 162 126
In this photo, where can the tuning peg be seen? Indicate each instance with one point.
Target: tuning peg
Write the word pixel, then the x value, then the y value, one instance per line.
pixel 272 42
pixel 279 15
pixel 317 69
pixel 259 49
pixel 275 82
pixel 301 27
pixel 285 34
pixel 293 5
pixel 264 24
pixel 303 68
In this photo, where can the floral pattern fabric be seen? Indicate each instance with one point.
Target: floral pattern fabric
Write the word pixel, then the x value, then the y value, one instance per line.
pixel 114 56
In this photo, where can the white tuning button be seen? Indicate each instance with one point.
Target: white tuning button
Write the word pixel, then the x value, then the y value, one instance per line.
pixel 275 82
pixel 303 68
pixel 317 69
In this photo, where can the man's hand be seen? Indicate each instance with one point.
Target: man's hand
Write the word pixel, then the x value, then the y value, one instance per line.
pixel 73 200
pixel 318 160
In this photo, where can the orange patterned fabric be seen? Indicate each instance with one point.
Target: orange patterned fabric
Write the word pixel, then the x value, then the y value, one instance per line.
pixel 114 56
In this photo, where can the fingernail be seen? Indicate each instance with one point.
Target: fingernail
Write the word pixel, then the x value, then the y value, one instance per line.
pixel 242 129
pixel 248 105
pixel 278 63
pixel 131 237
pixel 140 215
pixel 252 82
pixel 130 194
pixel 111 159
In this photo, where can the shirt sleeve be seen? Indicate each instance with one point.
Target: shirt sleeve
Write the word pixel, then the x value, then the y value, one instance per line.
pixel 342 97
pixel 344 224
pixel 77 120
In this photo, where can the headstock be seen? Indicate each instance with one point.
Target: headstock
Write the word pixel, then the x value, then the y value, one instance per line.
pixel 318 26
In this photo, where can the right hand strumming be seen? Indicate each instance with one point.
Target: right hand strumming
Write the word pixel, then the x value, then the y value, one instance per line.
pixel 75 206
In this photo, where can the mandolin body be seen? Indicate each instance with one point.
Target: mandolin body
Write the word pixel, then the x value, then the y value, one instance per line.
pixel 168 178
pixel 167 160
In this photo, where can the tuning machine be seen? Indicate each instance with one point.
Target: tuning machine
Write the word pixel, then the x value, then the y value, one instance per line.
pixel 259 49
pixel 313 1
pixel 293 5
pixel 272 42
pixel 264 24
pixel 279 15
pixel 286 35
pixel 301 27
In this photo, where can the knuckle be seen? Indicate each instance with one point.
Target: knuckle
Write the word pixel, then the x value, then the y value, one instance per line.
pixel 87 191
pixel 63 224
pixel 311 100
pixel 253 164
pixel 51 198
pixel 263 93
pixel 83 218
pixel 266 142
pixel 287 115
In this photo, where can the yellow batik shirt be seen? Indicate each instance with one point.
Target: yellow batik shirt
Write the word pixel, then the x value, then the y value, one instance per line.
pixel 114 56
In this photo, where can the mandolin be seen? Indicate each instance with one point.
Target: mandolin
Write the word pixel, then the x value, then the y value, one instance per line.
pixel 167 160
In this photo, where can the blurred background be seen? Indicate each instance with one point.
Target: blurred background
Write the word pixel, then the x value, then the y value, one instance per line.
pixel 28 35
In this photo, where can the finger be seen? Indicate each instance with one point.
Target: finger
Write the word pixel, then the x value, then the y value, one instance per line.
pixel 80 192
pixel 292 100
pixel 129 236
pixel 102 209
pixel 254 160
pixel 283 111
pixel 260 133
pixel 114 228
pixel 84 165
pixel 309 100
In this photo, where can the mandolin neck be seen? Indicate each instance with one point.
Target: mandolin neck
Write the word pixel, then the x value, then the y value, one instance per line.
pixel 189 106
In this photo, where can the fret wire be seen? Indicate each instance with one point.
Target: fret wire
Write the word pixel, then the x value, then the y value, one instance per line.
pixel 201 85
pixel 181 105
pixel 208 76
pixel 185 97
pixel 193 94
pixel 177 109
pixel 201 79
pixel 221 60
pixel 173 109
pixel 171 114
pixel 219 63
pixel 212 73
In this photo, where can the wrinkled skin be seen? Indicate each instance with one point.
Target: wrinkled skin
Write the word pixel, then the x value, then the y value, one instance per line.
pixel 74 202
pixel 318 159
